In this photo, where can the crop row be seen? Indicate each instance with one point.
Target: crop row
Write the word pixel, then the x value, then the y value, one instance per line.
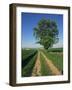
pixel 27 53
pixel 27 70
pixel 26 56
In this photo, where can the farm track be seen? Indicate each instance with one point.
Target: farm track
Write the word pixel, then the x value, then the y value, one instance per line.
pixel 37 67
pixel 52 67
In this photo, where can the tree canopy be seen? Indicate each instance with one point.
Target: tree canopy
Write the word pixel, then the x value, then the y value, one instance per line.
pixel 46 33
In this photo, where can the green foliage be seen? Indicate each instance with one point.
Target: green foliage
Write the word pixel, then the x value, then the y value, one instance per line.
pixel 46 33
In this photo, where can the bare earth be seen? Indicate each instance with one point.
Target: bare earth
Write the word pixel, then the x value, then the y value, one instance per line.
pixel 52 67
pixel 37 67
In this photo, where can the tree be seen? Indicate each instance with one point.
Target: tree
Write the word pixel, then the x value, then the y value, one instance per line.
pixel 46 33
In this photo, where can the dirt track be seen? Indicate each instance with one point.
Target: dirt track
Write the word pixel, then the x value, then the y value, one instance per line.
pixel 52 67
pixel 37 67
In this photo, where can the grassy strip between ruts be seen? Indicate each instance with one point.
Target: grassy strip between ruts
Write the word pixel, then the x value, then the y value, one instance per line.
pixel 56 59
pixel 45 71
pixel 27 70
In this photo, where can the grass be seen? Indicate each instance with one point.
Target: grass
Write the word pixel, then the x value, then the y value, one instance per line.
pixel 45 71
pixel 57 59
pixel 27 70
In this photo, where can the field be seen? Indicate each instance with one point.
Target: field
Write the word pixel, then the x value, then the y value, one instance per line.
pixel 41 62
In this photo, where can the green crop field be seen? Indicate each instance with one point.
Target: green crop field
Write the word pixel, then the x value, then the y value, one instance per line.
pixel 28 61
pixel 29 58
pixel 55 50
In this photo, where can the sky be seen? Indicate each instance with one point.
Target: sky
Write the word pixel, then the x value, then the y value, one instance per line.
pixel 30 20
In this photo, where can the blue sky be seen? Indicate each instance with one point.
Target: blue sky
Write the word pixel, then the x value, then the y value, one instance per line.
pixel 30 20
